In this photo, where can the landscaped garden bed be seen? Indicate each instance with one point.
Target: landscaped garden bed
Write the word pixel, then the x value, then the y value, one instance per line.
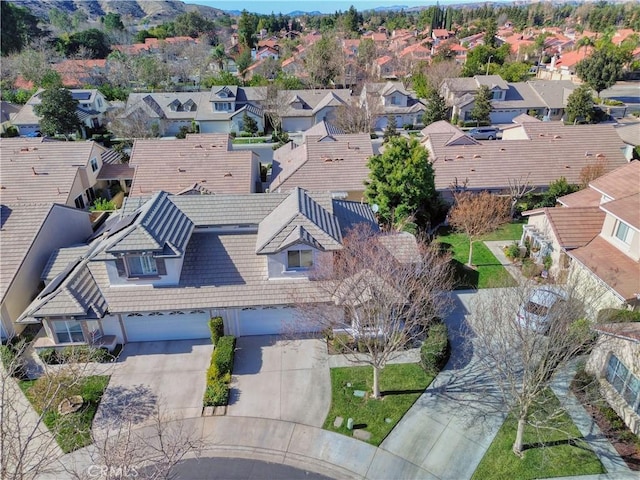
pixel 586 389
pixel 555 451
pixel 73 429
pixel 79 354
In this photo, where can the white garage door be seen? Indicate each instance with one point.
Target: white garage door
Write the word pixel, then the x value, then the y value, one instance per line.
pixel 266 321
pixel 159 326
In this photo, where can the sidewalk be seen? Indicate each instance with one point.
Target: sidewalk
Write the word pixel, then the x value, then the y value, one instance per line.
pixel 496 248
pixel 615 466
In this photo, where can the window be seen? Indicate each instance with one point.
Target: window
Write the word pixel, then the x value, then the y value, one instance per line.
pixel 222 106
pixel 142 265
pixel 94 164
pixel 68 331
pixel 299 259
pixel 99 102
pixel 497 95
pixel 395 100
pixel 624 382
pixel 622 232
pixel 79 201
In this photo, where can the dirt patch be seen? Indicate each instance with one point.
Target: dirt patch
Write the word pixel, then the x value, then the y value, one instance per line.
pixel 586 389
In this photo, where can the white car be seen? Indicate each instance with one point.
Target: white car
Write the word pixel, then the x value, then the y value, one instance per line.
pixel 536 313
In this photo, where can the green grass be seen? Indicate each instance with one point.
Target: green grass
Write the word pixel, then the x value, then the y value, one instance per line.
pixel 487 272
pixel 508 231
pixel 246 140
pixel 403 382
pixel 565 453
pixel 73 431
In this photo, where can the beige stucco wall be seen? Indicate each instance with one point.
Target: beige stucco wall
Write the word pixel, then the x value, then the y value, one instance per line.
pixel 63 227
pixel 628 352
pixel 595 293
pixel 541 223
pixel 632 249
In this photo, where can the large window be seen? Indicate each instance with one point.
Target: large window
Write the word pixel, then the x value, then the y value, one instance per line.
pixel 79 201
pixel 299 259
pixel 94 164
pixel 68 331
pixel 142 265
pixel 624 382
pixel 623 232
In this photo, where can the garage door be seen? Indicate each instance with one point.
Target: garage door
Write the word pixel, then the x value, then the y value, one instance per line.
pixel 266 321
pixel 178 325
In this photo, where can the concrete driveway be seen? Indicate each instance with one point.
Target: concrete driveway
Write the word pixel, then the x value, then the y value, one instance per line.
pixel 281 379
pixel 170 375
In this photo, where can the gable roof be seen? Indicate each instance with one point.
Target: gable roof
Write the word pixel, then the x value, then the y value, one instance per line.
pixel 41 170
pixel 206 159
pixel 334 163
pixel 298 219
pixel 323 129
pixel 619 183
pixel 575 227
pixel 160 227
pixel 490 165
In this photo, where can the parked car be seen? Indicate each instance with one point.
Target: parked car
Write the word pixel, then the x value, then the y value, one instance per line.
pixel 484 133
pixel 536 313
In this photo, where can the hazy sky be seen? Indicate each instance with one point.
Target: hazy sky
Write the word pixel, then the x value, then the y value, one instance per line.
pixel 268 6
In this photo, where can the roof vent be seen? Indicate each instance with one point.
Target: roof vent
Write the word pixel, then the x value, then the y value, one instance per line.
pixel 459 157
pixel 588 154
pixel 473 169
pixel 557 137
pixel 228 174
pixel 541 135
pixel 327 159
pixel 477 156
pixel 198 146
pixel 33 169
pixel 182 170
pixel 567 166
pixel 600 155
pixel 502 149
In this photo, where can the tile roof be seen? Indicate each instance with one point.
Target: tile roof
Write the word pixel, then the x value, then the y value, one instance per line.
pixel 550 150
pixel 298 218
pixel 619 272
pixel 161 227
pixel 554 93
pixel 323 129
pixel 620 182
pixel 60 259
pixel 626 209
pixel 491 81
pixel 626 330
pixel 219 270
pixel 575 227
pixel 19 226
pixel 37 170
pixel 586 197
pixel 333 163
pixel 116 171
pixel 207 159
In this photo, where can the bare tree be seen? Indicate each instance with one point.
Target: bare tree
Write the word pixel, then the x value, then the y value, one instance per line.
pixel 518 188
pixel 27 447
pixel 358 116
pixel 475 214
pixel 387 289
pixel 592 171
pixel 137 124
pixel 521 352
pixel 150 452
pixel 436 72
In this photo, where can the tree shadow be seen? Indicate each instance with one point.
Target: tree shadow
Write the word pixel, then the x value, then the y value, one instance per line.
pixel 130 405
pixel 464 277
pixel 401 392
pixel 574 442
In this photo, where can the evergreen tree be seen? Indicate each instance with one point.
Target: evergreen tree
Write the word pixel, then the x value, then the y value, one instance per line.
pixel 580 105
pixel 402 183
pixel 481 110
pixel 390 130
pixel 58 112
pixel 249 124
pixel 601 69
pixel 436 108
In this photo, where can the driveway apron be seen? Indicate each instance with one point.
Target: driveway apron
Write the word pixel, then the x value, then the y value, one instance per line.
pixel 281 379
pixel 168 375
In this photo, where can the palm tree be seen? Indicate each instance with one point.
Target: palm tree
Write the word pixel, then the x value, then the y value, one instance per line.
pixel 219 56
pixel 584 42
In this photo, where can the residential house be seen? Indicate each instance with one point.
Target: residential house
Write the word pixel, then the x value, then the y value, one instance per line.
pixel 7 110
pixel 221 110
pixel 387 67
pixel 205 162
pixel 629 131
pixel 326 161
pixel 392 99
pixel 545 99
pixel 614 361
pixel 299 110
pixel 532 151
pixel 163 267
pixel 92 106
pixel 563 65
pixel 29 233
pixel 41 170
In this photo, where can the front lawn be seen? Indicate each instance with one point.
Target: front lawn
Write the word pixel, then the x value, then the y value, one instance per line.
pixel 488 271
pixel 403 384
pixel 72 431
pixel 552 452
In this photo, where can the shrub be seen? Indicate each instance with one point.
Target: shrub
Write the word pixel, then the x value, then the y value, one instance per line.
pixel 223 354
pixel 342 343
pixel 434 352
pixel 547 261
pixel 216 394
pixel 216 327
pixel 512 251
pixel 530 269
pixel 614 315
pixel 103 205
pixel 49 356
pixel 407 126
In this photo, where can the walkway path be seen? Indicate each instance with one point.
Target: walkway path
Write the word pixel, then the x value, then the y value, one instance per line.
pixel 496 248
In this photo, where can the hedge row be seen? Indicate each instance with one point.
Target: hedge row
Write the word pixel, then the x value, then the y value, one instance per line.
pixel 219 372
pixel 72 354
pixel 216 327
pixel 434 352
